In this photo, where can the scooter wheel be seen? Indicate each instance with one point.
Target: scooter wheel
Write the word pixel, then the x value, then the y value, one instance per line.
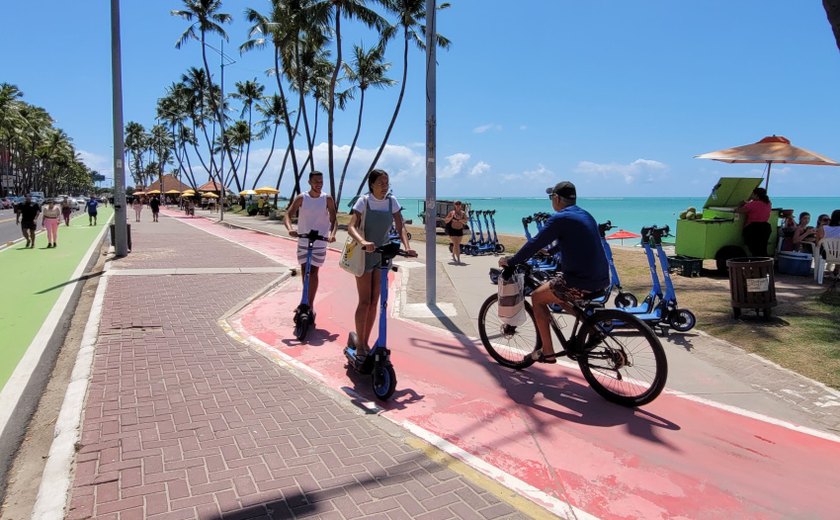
pixel 384 380
pixel 624 299
pixel 682 320
pixel 500 248
pixel 302 326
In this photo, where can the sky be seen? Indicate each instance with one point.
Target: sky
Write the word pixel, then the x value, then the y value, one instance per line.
pixel 617 97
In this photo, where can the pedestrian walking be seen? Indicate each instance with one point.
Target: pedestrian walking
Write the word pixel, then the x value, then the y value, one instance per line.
pixel 66 210
pixel 455 222
pixel 26 215
pixel 49 221
pixel 91 206
pixel 138 208
pixel 315 210
pixel 154 204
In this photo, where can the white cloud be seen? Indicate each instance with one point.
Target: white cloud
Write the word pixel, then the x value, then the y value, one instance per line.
pixel 480 168
pixel 103 165
pixel 523 127
pixel 645 169
pixel 486 128
pixel 454 165
pixel 540 174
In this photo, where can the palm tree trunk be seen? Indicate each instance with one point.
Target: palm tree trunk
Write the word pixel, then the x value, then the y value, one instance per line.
pixel 302 106
pixel 270 153
pixel 832 11
pixel 286 121
pixel 393 118
pixel 331 110
pixel 352 147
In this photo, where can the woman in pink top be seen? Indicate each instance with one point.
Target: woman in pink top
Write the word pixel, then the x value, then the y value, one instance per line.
pixel 757 229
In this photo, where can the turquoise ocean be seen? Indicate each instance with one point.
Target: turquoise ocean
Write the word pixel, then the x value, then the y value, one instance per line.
pixel 628 213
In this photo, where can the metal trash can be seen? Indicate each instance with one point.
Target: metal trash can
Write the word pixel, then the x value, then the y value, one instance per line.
pixel 752 285
pixel 114 236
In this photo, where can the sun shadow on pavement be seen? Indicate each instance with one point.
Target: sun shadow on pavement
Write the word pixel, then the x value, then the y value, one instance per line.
pixel 82 278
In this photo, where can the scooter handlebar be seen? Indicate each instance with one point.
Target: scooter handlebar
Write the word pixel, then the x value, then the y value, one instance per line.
pixel 313 235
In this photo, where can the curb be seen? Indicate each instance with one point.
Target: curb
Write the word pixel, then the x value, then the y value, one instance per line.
pixel 22 393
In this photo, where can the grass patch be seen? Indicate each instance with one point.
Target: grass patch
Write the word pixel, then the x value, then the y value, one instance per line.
pixel 802 336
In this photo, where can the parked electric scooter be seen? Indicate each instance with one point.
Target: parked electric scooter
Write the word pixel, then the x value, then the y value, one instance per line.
pixel 660 310
pixel 304 317
pixel 622 299
pixel 500 248
pixel 377 362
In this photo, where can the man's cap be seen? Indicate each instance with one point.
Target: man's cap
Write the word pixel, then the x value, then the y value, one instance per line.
pixel 563 189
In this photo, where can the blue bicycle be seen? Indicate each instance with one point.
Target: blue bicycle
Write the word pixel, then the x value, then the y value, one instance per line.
pixel 377 362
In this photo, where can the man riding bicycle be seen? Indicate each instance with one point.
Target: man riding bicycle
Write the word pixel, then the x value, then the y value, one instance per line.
pixel 584 270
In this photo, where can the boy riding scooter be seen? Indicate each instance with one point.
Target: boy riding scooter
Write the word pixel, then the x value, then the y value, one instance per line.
pixel 315 211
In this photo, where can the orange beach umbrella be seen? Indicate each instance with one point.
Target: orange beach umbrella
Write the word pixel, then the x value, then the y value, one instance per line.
pixel 771 149
pixel 622 234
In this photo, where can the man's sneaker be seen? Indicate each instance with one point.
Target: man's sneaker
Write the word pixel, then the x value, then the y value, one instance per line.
pixel 27 243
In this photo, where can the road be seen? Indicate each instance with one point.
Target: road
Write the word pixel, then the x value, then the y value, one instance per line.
pixel 10 231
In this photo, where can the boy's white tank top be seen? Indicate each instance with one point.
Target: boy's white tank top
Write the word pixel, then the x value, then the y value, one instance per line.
pixel 313 214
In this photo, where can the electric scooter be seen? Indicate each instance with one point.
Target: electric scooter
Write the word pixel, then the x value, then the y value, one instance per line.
pixel 622 299
pixel 500 248
pixel 377 362
pixel 660 310
pixel 304 317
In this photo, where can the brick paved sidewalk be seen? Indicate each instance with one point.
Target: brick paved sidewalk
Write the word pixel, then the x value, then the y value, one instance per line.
pixel 181 421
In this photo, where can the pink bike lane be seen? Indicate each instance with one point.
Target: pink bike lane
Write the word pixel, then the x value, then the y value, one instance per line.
pixel 544 426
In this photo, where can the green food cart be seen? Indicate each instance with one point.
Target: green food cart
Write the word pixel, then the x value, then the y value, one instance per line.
pixel 716 233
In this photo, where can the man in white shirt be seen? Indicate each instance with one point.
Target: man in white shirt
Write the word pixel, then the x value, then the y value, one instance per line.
pixel 315 211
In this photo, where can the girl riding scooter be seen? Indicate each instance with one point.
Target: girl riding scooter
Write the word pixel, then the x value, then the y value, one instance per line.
pixel 370 221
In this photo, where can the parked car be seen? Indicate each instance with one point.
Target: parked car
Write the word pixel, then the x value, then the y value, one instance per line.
pixel 74 204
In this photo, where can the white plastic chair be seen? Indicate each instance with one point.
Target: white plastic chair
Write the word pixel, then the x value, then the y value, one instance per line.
pixel 831 246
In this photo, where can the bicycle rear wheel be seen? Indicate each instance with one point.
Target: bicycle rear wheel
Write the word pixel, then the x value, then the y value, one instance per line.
pixel 508 345
pixel 627 364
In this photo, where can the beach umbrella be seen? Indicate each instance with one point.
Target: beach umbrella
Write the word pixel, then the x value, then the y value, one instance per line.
pixel 188 193
pixel 138 193
pixel 153 192
pixel 622 234
pixel 771 149
pixel 267 190
pixel 173 192
pixel 210 195
pixel 247 192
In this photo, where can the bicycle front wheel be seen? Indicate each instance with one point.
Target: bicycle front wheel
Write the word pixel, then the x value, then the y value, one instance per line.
pixel 626 364
pixel 509 346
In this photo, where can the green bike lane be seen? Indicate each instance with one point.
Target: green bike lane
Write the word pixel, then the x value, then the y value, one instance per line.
pixel 33 281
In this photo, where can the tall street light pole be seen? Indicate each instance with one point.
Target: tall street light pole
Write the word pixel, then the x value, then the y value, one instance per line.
pixel 431 141
pixel 120 227
pixel 224 60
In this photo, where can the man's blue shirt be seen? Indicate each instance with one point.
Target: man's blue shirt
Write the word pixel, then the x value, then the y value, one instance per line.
pixel 584 263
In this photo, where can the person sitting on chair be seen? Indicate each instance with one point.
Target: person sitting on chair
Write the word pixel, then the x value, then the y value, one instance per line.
pixel 804 235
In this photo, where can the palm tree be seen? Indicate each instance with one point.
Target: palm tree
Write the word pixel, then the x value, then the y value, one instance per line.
pixel 248 92
pixel 10 121
pixel 368 70
pixel 350 9
pixel 411 14
pixel 136 143
pixel 281 27
pixel 207 19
